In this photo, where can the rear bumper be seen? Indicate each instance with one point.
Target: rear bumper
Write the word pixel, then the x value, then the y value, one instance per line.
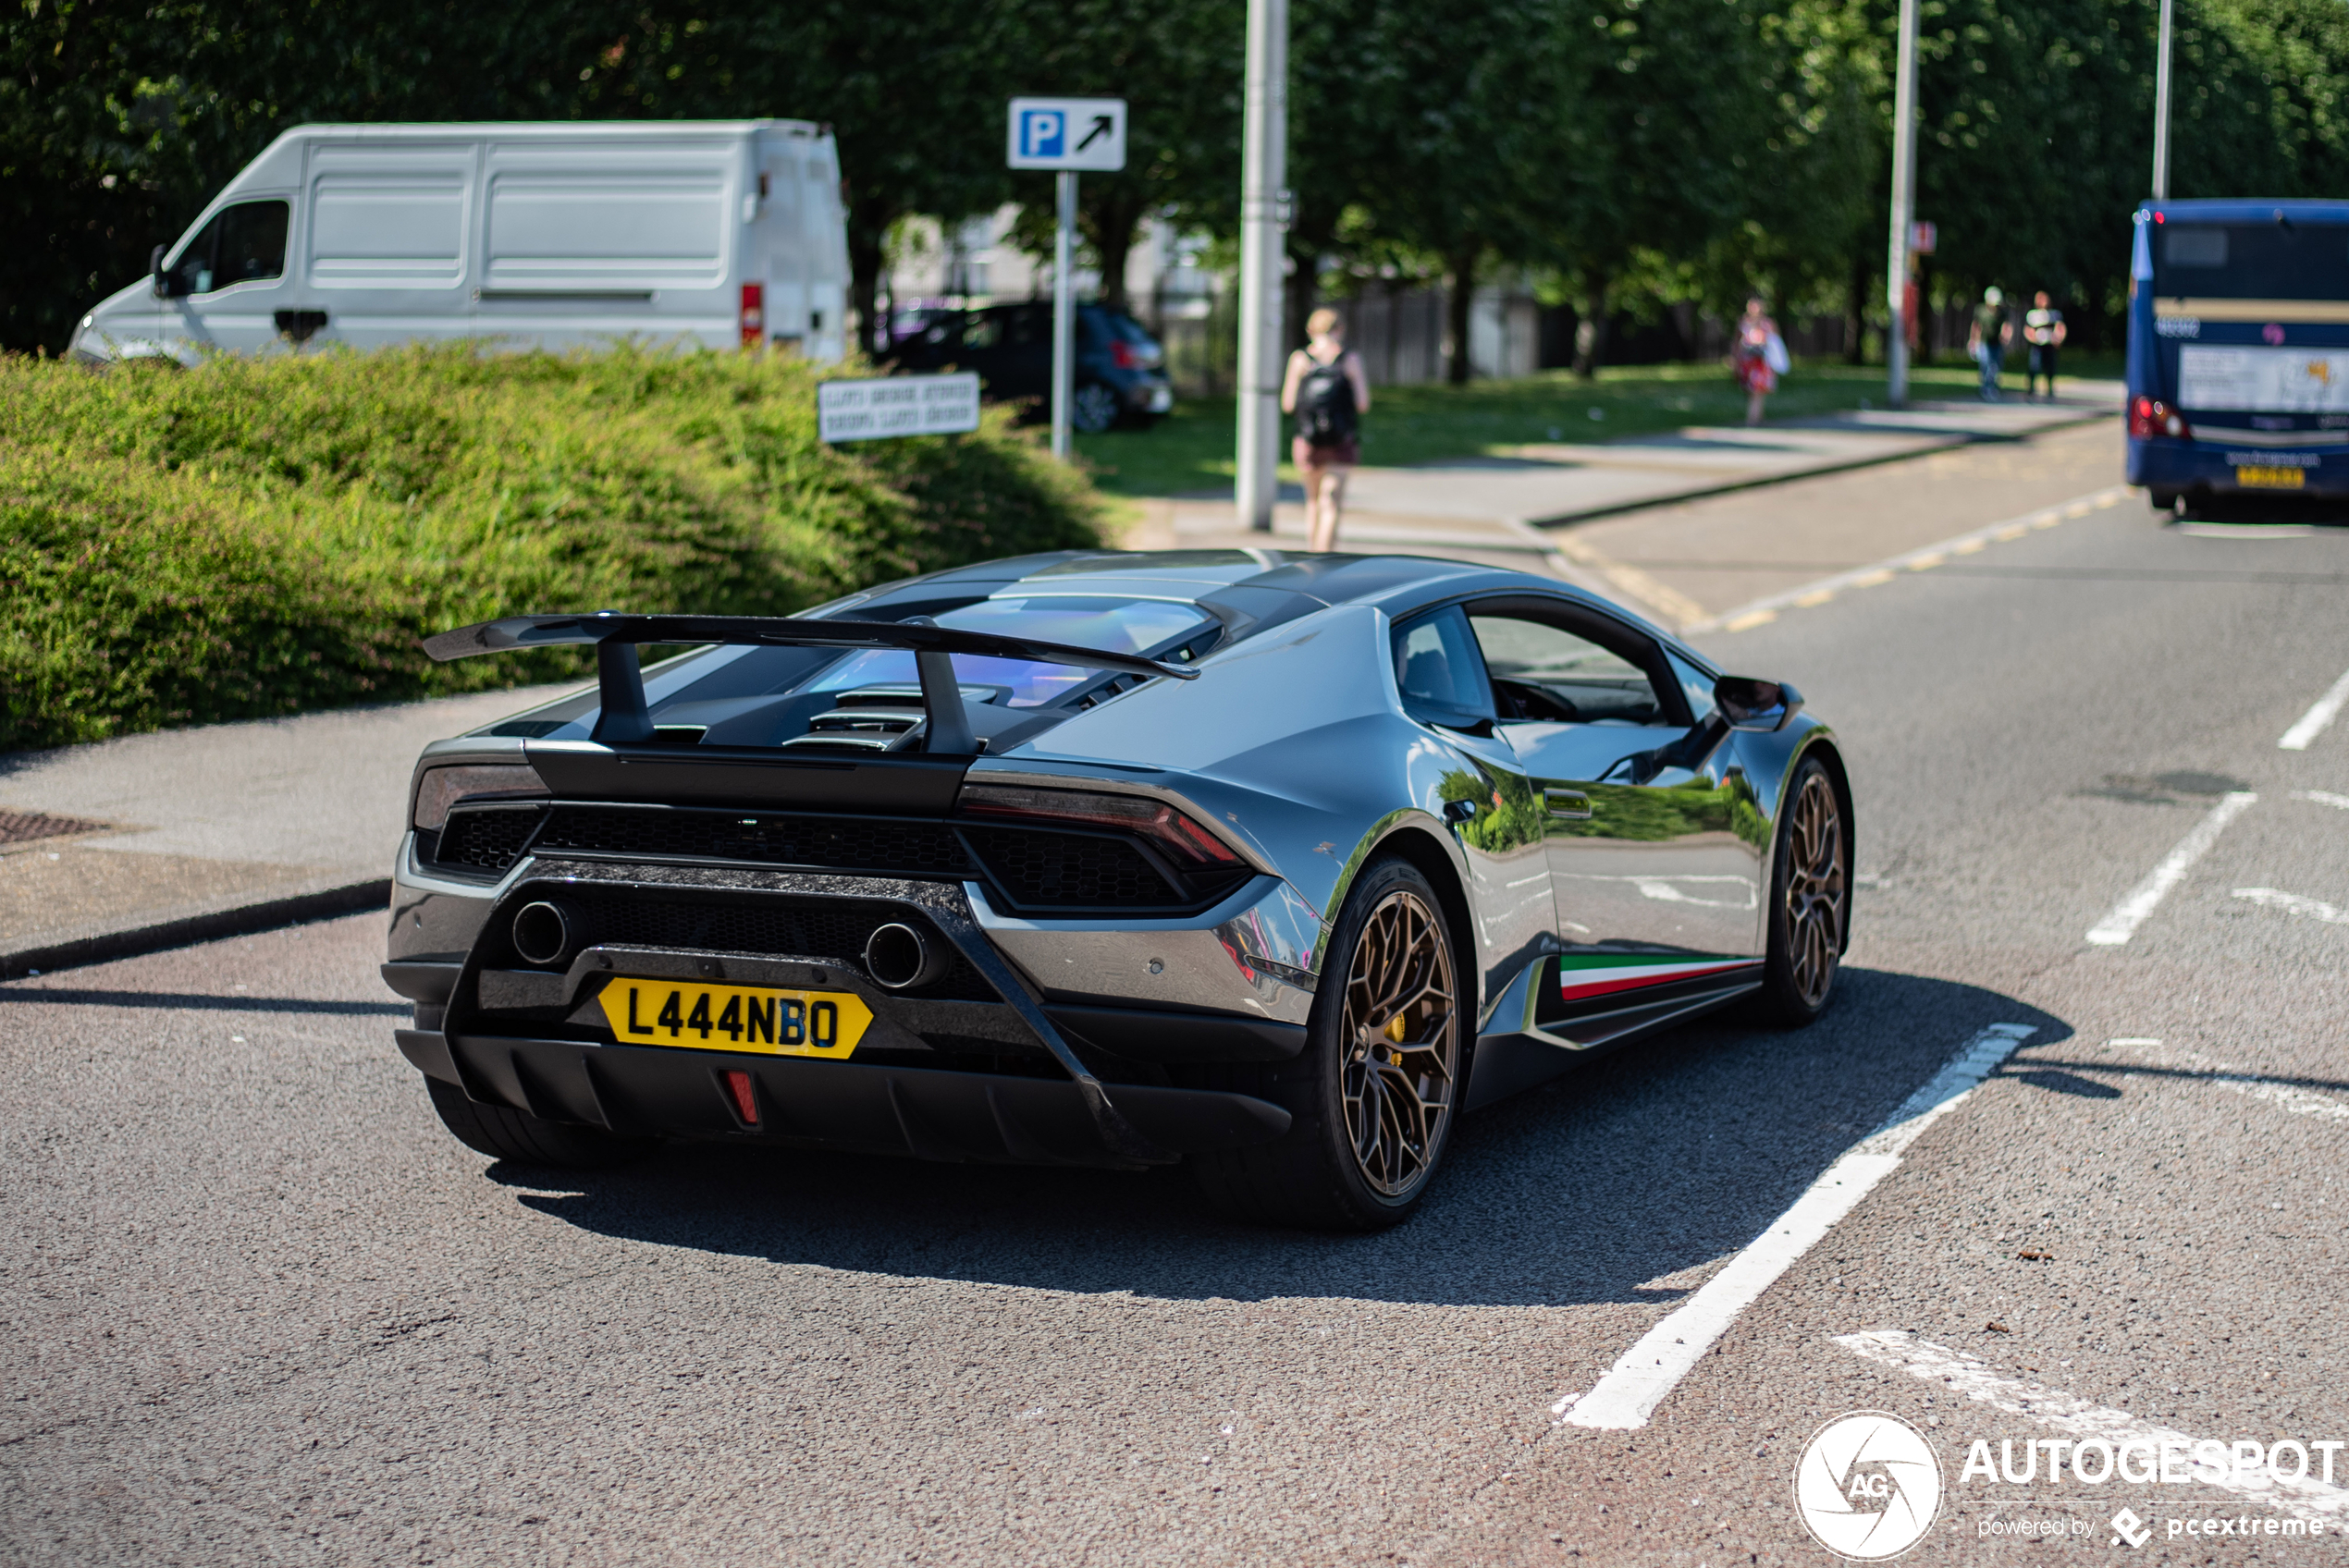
pixel 923 1113
pixel 2210 466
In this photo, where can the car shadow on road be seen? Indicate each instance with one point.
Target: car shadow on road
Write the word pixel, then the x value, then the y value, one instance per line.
pixel 1599 1187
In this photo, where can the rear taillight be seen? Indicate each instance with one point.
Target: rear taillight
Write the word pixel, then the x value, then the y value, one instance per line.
pixel 2149 417
pixel 1190 846
pixel 1122 355
pixel 753 313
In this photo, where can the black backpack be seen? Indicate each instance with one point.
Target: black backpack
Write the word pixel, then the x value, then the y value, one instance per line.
pixel 1325 405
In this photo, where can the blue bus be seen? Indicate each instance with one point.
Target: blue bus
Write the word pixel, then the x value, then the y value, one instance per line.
pixel 2239 350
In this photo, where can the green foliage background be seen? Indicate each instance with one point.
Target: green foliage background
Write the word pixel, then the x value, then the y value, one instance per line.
pixel 258 537
pixel 1640 150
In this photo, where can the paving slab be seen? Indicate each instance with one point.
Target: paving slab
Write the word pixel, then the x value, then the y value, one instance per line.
pixel 184 834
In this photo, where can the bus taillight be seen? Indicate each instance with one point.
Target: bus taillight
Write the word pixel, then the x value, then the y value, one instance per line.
pixel 2149 417
pixel 754 322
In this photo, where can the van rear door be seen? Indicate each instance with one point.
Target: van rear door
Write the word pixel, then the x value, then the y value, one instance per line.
pixel 387 248
pixel 799 245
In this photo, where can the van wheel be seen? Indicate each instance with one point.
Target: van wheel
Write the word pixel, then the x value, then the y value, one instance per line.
pixel 1373 1095
pixel 1094 408
pixel 2162 500
pixel 503 1133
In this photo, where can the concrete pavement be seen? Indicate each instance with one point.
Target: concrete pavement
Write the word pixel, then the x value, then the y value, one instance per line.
pixel 1513 508
pixel 148 839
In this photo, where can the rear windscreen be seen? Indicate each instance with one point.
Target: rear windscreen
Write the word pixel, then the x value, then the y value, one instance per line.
pixel 2270 261
pixel 1117 626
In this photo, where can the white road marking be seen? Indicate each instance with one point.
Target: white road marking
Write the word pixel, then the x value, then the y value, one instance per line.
pixel 2312 723
pixel 1763 610
pixel 2322 798
pixel 2130 913
pixel 2305 1497
pixel 2293 903
pixel 1629 1394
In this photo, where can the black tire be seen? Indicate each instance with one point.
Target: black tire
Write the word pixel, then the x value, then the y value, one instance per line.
pixel 502 1132
pixel 2163 501
pixel 1809 900
pixel 1370 1122
pixel 1094 407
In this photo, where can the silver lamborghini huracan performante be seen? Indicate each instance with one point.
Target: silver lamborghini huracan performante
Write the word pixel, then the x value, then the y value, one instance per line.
pixel 1272 864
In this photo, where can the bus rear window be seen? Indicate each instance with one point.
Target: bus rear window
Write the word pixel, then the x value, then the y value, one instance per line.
pixel 2271 261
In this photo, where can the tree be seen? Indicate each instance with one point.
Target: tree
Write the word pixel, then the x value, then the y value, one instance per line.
pixel 1468 97
pixel 1177 64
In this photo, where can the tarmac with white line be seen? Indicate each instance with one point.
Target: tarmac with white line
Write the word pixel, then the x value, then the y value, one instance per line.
pixel 263 1309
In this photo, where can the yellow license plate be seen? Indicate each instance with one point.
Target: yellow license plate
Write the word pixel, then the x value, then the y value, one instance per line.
pixel 2270 478
pixel 735 1017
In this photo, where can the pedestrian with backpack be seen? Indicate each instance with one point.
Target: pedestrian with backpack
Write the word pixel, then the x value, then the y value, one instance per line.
pixel 1328 391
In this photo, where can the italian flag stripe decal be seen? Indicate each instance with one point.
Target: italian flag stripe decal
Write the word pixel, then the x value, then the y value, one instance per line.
pixel 1582 976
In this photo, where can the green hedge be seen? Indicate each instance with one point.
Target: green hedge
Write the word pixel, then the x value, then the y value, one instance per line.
pixel 258 537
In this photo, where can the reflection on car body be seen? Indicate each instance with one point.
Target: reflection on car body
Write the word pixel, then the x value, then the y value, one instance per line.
pixel 1269 863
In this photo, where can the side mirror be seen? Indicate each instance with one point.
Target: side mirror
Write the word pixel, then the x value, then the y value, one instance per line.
pixel 1756 705
pixel 154 269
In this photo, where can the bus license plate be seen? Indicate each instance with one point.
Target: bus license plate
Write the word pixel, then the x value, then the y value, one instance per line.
pixel 735 1017
pixel 2270 478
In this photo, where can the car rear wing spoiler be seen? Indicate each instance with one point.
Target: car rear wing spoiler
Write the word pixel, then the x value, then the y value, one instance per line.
pixel 625 717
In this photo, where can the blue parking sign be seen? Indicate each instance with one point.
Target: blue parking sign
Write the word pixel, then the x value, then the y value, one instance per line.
pixel 1043 133
pixel 1067 133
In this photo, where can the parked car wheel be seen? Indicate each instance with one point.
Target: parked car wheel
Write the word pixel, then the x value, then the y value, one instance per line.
pixel 505 1134
pixel 1809 900
pixel 1374 1092
pixel 1094 408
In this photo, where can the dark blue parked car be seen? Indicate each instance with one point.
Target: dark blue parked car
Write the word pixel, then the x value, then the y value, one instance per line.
pixel 1121 370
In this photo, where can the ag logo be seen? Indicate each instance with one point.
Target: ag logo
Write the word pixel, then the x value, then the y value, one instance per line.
pixel 1867 1486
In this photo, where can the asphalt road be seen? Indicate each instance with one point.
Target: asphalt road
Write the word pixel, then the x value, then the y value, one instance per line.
pixel 258 1308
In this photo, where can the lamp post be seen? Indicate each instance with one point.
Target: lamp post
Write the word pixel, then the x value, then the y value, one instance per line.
pixel 1904 183
pixel 2161 112
pixel 1264 171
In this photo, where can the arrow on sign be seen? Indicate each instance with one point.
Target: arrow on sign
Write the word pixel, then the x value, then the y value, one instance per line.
pixel 1100 129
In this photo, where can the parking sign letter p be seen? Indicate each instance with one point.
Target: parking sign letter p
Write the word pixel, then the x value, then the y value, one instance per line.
pixel 1041 133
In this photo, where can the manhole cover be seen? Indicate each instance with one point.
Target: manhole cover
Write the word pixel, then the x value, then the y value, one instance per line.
pixel 23 827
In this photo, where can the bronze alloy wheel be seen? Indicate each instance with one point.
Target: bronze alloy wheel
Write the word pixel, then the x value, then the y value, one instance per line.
pixel 1401 1038
pixel 1814 888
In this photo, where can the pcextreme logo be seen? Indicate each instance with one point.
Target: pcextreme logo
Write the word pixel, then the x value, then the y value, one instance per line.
pixel 1867 1486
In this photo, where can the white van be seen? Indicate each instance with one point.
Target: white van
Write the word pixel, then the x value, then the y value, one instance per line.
pixel 723 233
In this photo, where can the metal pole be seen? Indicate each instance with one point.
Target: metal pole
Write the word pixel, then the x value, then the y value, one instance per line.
pixel 1263 169
pixel 1904 184
pixel 1064 314
pixel 2161 112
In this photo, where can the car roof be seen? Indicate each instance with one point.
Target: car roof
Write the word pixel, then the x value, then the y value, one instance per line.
pixel 1398 584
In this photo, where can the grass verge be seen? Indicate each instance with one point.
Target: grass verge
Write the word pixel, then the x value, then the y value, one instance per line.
pixel 268 536
pixel 1191 449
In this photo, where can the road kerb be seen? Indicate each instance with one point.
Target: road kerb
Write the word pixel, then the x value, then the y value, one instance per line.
pixel 237 919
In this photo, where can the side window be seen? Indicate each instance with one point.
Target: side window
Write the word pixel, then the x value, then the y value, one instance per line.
pixel 1544 673
pixel 1439 671
pixel 240 243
